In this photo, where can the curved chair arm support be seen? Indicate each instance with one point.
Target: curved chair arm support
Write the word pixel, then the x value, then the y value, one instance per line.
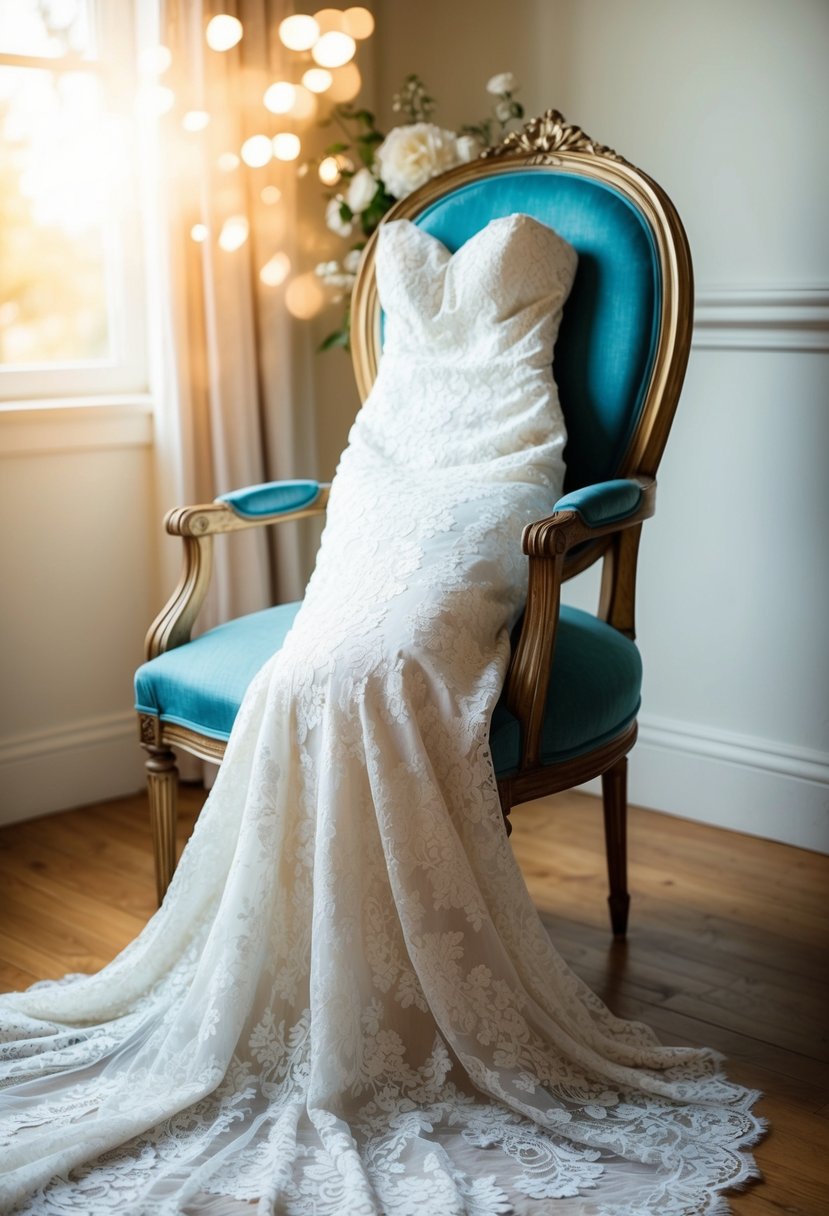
pixel 249 508
pixel 617 509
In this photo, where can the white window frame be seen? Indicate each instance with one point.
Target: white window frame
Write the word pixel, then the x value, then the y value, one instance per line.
pixel 123 374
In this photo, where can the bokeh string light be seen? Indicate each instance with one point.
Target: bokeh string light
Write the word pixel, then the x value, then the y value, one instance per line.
pixel 321 68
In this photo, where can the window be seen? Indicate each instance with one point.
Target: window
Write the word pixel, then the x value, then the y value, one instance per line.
pixel 71 312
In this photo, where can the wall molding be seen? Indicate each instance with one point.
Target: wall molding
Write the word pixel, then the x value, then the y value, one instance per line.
pixel 72 426
pixel 745 784
pixel 786 760
pixel 69 764
pixel 749 318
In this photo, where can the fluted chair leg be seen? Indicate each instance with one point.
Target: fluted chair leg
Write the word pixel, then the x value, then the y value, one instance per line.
pixel 614 794
pixel 162 787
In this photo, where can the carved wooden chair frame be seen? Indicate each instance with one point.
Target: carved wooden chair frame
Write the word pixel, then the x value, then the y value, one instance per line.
pixel 557 547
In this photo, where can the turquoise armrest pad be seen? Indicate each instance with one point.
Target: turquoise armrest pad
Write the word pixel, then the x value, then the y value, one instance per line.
pixel 603 503
pixel 272 498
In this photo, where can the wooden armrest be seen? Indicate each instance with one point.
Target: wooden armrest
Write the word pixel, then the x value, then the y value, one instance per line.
pixel 547 542
pixel 196 526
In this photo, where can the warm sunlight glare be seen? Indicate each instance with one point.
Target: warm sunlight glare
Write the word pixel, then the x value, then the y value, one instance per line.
pixel 228 162
pixel 346 83
pixel 154 100
pixel 286 146
pixel 223 32
pixel 299 33
pixel 234 233
pixel 305 296
pixel 330 19
pixel 279 97
pixel 276 270
pixel 334 49
pixel 329 171
pixel 305 103
pixel 195 120
pixel 317 79
pixel 359 22
pixel 155 60
pixel 257 151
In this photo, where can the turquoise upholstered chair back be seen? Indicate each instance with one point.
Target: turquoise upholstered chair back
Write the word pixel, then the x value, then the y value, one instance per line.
pixel 604 355
pixel 621 352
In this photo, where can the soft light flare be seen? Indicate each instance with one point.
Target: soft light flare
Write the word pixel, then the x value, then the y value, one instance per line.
pixel 299 33
pixel 223 32
pixel 153 100
pixel 346 84
pixel 270 195
pixel 275 270
pixel 234 233
pixel 334 49
pixel 305 296
pixel 195 120
pixel 329 171
pixel 280 97
pixel 228 162
pixel 257 151
pixel 155 60
pixel 329 19
pixel 286 146
pixel 199 233
pixel 358 22
pixel 317 79
pixel 305 103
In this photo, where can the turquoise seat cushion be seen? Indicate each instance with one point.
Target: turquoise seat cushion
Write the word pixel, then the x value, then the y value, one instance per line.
pixel 201 685
pixel 595 691
pixel 594 688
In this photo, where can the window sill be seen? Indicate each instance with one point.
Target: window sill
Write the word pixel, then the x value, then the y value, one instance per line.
pixel 80 424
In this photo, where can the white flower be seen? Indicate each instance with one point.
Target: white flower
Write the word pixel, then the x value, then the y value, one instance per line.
pixel 334 219
pixel 503 111
pixel 334 275
pixel 351 261
pixel 504 82
pixel 468 147
pixel 361 190
pixel 411 155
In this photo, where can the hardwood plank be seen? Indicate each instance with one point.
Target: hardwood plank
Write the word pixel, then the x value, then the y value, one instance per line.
pixel 727 944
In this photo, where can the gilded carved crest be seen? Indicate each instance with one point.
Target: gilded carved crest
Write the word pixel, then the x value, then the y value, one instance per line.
pixel 542 137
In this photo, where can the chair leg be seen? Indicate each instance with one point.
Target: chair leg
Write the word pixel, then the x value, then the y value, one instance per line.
pixel 162 787
pixel 614 794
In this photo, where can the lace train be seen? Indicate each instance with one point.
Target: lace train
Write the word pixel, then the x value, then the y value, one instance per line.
pixel 347 1003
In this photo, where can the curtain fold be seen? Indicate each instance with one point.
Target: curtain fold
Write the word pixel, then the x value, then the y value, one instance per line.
pixel 234 374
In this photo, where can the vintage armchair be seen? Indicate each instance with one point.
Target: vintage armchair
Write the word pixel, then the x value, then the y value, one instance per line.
pixel 569 706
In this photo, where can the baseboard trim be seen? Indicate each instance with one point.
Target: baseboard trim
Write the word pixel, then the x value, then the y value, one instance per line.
pixel 743 783
pixel 68 765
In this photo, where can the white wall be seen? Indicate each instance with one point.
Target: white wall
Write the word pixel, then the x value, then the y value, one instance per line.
pixel 78 560
pixel 723 103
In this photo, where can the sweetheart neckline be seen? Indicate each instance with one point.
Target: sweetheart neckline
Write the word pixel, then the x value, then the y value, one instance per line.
pixel 408 226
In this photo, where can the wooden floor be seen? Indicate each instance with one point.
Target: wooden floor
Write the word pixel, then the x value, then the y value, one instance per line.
pixel 727 944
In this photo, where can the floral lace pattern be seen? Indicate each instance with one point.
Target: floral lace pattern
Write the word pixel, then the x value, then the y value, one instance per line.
pixel 347 1003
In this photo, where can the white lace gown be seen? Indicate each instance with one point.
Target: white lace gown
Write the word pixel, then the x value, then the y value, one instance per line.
pixel 347 1005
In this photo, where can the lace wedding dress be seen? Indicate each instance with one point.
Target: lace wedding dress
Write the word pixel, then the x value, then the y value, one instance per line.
pixel 347 1003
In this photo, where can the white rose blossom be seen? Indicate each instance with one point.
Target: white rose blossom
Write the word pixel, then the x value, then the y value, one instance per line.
pixel 351 261
pixel 409 156
pixel 504 82
pixel 468 147
pixel 361 190
pixel 334 220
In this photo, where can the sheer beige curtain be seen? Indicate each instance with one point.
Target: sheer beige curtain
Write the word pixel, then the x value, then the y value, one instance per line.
pixel 233 370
